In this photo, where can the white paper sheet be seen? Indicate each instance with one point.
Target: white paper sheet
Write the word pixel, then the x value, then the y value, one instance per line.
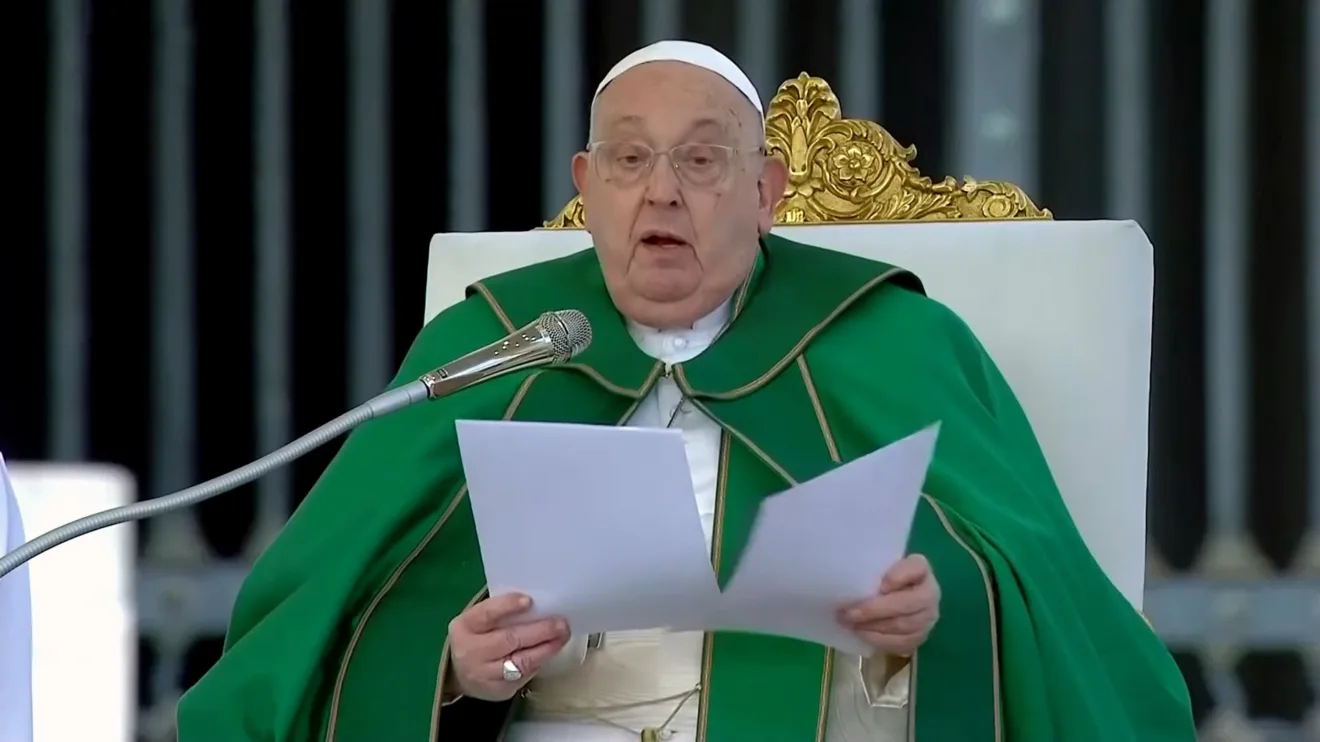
pixel 600 525
pixel 827 543
pixel 597 524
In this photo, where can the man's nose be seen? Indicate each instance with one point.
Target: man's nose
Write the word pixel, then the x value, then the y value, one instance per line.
pixel 662 186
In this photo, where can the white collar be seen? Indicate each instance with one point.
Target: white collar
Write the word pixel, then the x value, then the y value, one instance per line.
pixel 678 346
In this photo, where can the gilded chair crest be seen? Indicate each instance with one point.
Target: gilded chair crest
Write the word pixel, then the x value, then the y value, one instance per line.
pixel 852 170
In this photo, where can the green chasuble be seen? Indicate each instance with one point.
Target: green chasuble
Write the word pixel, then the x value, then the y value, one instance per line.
pixel 340 631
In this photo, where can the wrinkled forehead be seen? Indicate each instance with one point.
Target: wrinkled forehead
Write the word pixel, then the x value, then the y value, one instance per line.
pixel 674 99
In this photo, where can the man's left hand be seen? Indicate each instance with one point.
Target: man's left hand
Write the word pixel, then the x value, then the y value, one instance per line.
pixel 897 621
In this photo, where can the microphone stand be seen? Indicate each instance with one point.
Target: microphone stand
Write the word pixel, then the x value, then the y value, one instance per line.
pixel 379 406
pixel 554 337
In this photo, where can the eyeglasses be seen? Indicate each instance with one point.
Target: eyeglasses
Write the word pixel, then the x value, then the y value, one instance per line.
pixel 698 165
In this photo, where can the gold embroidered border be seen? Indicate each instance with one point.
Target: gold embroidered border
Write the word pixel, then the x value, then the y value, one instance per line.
pixel 818 406
pixel 740 301
pixel 827 686
pixel 495 306
pixel 717 534
pixel 990 603
pixel 437 700
pixel 595 375
pixel 394 578
pixel 939 511
pixel 912 696
pixel 336 697
pixel 717 540
pixel 793 352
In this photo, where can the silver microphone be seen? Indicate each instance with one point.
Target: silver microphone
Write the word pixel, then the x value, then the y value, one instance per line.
pixel 555 337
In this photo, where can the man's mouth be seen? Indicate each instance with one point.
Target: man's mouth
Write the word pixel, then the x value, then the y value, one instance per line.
pixel 662 239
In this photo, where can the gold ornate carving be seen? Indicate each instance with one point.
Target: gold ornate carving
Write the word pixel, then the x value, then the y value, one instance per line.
pixel 571 217
pixel 852 170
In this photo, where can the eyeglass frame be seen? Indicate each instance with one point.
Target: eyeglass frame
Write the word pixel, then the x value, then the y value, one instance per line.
pixel 592 149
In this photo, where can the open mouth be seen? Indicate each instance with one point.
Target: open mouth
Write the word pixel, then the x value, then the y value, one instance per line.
pixel 662 239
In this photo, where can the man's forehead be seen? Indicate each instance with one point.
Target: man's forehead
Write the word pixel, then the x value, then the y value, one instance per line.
pixel 697 122
pixel 675 92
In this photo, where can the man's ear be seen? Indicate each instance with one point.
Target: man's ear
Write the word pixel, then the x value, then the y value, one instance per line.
pixel 773 183
pixel 581 176
pixel 581 163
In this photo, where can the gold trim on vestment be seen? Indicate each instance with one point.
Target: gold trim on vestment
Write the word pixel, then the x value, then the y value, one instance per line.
pixel 495 306
pixel 944 521
pixel 994 622
pixel 375 601
pixel 744 291
pixel 595 375
pixel 826 693
pixel 394 578
pixel 912 695
pixel 742 438
pixel 716 541
pixel 833 447
pixel 437 700
pixel 444 668
pixel 819 408
pixel 651 378
pixel 729 430
pixel 827 686
pixel 637 394
pixel 793 352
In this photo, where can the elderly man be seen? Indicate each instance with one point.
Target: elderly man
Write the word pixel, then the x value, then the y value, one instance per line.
pixel 368 620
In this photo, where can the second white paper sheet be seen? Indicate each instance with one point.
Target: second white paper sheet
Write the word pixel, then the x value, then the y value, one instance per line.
pixel 827 543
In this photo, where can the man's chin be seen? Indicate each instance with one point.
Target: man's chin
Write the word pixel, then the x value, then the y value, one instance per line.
pixel 664 286
pixel 661 310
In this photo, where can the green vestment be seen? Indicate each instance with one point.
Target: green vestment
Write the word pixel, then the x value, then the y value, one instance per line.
pixel 340 631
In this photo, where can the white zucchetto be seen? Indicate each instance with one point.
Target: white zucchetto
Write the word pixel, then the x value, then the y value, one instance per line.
pixel 692 53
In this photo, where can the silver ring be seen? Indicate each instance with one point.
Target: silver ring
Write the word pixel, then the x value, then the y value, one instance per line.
pixel 511 672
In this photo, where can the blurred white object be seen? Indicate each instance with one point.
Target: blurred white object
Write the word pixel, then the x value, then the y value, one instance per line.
pixel 15 626
pixel 84 640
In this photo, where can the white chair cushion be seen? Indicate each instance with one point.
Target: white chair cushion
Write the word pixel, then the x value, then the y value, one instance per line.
pixel 1064 308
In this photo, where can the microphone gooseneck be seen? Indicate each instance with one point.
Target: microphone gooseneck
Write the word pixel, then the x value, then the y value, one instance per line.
pixel 555 337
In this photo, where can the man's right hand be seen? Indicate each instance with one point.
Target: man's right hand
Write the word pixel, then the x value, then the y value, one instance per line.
pixel 479 647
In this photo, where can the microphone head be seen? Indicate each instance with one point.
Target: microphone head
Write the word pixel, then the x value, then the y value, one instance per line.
pixel 569 332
